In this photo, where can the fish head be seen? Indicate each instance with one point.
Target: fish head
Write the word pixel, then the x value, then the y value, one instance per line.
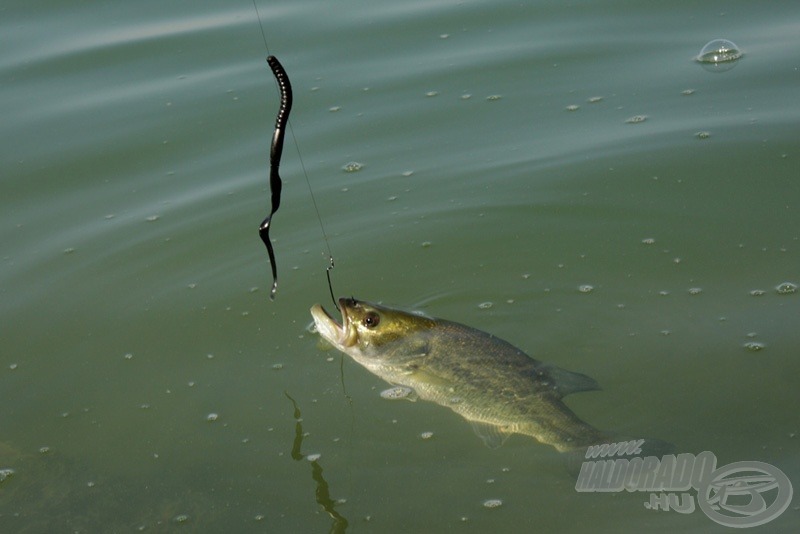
pixel 372 331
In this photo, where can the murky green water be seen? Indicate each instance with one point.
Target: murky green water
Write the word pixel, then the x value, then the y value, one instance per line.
pixel 144 372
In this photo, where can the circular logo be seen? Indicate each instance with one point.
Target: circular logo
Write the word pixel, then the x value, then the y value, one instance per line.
pixel 745 494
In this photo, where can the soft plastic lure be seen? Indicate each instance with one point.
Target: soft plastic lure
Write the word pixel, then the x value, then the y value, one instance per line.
pixel 275 151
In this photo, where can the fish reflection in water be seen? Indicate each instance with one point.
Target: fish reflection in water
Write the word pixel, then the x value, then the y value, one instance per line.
pixel 322 492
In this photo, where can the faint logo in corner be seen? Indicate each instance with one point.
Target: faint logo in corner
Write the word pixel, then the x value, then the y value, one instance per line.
pixel 740 494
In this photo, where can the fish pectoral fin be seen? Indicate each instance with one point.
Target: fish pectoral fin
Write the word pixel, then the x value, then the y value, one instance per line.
pixel 567 382
pixel 492 436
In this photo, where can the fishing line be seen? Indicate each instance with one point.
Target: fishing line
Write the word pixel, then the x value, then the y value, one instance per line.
pixel 276 149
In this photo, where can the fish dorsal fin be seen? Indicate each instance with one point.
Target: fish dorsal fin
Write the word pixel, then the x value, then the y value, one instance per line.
pixel 567 382
pixel 492 436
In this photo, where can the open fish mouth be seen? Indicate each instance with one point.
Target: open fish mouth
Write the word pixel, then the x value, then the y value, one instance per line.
pixel 341 335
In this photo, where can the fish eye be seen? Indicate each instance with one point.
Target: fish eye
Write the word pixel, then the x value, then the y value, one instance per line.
pixel 371 320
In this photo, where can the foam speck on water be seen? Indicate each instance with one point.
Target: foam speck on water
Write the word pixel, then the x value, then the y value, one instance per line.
pixel 492 503
pixel 352 166
pixel 6 474
pixel 636 119
pixel 397 392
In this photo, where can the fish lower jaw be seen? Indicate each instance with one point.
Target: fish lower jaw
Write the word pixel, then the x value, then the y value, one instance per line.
pixel 334 333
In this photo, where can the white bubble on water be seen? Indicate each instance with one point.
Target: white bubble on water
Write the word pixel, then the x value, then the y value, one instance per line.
pixel 695 290
pixel 585 288
pixel 485 305
pixel 426 435
pixel 636 119
pixel 786 288
pixel 212 417
pixel 719 51
pixel 754 346
pixel 313 457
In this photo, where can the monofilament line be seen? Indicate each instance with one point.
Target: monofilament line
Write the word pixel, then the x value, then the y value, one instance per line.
pixel 305 174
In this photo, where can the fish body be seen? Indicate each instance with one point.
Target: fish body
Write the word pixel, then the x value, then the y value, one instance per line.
pixel 489 382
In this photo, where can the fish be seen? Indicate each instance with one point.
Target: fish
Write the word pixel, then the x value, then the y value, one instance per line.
pixel 489 382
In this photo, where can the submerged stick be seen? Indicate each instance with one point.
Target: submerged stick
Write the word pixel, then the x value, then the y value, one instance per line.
pixel 275 151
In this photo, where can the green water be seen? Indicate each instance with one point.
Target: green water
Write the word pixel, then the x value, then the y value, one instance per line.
pixel 133 286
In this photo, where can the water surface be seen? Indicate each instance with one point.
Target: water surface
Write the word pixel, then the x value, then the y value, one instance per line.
pixel 144 371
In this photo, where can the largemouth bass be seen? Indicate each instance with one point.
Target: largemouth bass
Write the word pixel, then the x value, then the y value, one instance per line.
pixel 489 382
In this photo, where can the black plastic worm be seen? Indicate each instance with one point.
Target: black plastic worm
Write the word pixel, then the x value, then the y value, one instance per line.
pixel 275 151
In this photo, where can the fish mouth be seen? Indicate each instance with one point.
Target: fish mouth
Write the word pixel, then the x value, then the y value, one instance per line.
pixel 341 335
